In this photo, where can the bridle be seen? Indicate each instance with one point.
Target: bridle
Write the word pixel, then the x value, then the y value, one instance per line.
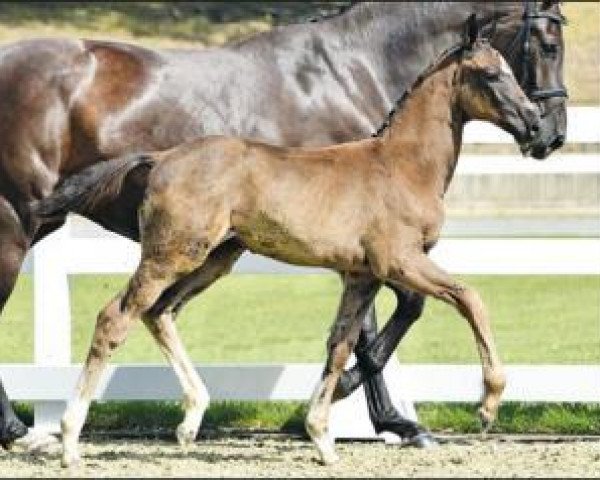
pixel 528 82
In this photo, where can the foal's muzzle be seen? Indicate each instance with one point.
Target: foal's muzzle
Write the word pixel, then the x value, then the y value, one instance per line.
pixel 530 130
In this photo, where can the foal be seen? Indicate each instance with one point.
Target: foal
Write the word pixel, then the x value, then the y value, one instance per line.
pixel 369 209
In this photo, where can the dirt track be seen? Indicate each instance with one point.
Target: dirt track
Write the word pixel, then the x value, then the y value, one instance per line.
pixel 282 456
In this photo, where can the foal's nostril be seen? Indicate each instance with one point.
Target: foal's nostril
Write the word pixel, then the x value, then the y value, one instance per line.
pixel 558 142
pixel 533 128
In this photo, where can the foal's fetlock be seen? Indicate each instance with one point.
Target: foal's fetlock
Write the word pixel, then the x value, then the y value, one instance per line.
pixel 486 418
pixel 494 381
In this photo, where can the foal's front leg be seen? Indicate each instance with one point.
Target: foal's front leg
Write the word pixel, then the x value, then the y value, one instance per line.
pixel 418 272
pixel 359 292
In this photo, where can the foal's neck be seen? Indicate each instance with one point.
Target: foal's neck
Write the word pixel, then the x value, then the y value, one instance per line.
pixel 425 133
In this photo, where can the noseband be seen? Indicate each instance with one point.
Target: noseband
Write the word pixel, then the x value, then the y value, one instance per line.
pixel 528 81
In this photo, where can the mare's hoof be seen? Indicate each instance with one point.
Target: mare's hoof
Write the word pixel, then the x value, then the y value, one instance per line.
pixel 38 441
pixel 410 433
pixel 12 431
pixel 421 440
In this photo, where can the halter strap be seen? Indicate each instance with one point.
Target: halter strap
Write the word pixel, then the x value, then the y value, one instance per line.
pixel 530 85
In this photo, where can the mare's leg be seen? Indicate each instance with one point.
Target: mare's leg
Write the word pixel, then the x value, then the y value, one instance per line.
pixel 372 352
pixel 219 262
pixel 12 427
pixel 421 274
pixel 358 294
pixel 13 247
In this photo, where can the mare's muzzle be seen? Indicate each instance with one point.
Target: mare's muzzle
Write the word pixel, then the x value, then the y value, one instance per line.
pixel 553 129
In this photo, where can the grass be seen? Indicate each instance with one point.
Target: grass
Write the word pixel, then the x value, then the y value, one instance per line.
pixel 147 418
pixel 160 24
pixel 285 318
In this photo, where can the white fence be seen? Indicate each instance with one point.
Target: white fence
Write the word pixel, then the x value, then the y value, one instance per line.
pixel 50 380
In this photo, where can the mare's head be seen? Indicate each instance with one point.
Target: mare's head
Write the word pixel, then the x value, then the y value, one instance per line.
pixel 488 90
pixel 532 41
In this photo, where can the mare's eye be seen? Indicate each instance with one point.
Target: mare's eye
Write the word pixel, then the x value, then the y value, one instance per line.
pixel 491 74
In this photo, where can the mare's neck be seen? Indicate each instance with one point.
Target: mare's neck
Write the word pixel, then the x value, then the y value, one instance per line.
pixel 396 41
pixel 425 134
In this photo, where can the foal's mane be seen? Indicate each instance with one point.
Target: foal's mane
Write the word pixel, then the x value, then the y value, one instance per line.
pixel 441 60
pixel 340 11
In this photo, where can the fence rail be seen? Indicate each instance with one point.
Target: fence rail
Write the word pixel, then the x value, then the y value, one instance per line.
pixel 50 380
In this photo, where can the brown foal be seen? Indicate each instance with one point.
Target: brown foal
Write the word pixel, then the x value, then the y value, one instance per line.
pixel 369 209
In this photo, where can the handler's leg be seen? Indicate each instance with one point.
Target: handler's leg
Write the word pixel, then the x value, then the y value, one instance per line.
pixel 13 246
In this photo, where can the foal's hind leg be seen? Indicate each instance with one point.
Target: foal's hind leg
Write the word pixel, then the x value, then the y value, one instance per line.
pixel 112 327
pixel 195 394
pixel 421 274
pixel 359 292
pixel 160 323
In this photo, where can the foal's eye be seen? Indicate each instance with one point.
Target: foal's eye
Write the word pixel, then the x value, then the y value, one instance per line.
pixel 550 49
pixel 491 74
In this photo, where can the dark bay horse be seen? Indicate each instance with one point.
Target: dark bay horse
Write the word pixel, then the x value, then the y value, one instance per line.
pixel 384 212
pixel 67 104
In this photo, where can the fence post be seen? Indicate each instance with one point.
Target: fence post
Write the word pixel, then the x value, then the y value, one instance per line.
pixel 52 318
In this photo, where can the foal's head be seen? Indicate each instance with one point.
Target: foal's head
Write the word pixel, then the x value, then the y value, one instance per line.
pixel 489 91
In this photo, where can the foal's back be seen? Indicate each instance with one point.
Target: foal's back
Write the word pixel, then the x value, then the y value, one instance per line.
pixel 288 203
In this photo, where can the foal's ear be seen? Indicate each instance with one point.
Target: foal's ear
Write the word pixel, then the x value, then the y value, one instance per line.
pixel 471 31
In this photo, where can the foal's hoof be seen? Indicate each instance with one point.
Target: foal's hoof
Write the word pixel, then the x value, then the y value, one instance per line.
pixel 486 418
pixel 329 457
pixel 70 461
pixel 185 435
pixel 421 440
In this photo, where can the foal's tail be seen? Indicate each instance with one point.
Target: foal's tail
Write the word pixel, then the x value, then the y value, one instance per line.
pixel 83 191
